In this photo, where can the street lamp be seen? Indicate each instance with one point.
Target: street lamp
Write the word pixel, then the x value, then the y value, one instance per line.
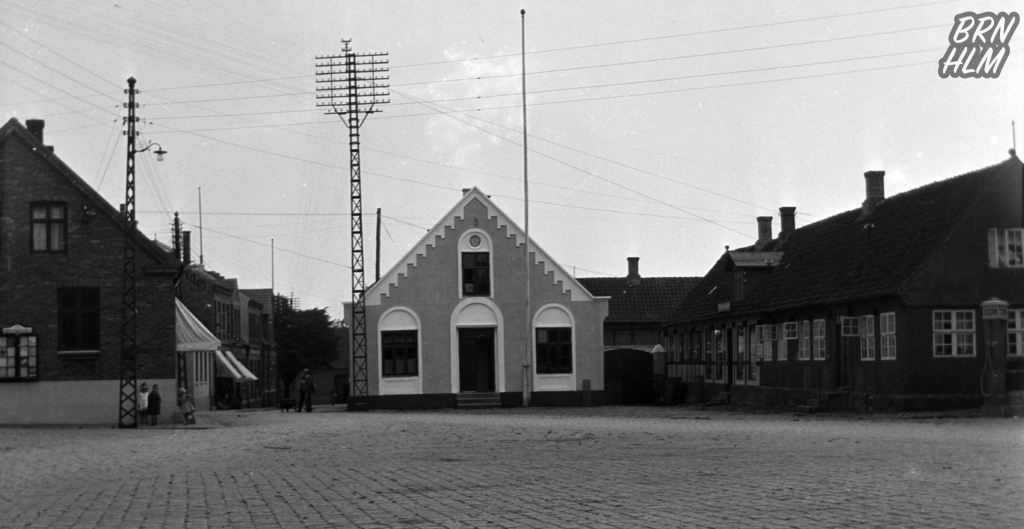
pixel 128 415
pixel 160 152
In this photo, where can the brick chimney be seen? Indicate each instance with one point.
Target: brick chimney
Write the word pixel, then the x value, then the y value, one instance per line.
pixel 633 277
pixel 186 247
pixel 35 126
pixel 764 232
pixel 788 216
pixel 874 182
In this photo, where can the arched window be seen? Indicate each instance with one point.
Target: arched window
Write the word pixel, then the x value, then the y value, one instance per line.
pixel 475 272
pixel 553 332
pixel 399 344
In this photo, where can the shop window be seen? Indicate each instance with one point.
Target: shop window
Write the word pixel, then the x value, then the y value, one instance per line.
pixel 18 360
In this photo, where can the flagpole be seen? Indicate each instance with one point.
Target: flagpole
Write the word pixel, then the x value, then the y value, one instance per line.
pixel 527 345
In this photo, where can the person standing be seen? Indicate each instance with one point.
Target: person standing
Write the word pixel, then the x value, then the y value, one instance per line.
pixel 154 405
pixel 187 406
pixel 142 404
pixel 306 391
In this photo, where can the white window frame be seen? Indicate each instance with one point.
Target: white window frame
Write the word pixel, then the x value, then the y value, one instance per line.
pixel 887 328
pixel 819 339
pixel 790 330
pixel 850 326
pixel 866 324
pixel 804 347
pixel 960 332
pixel 1006 248
pixel 1015 333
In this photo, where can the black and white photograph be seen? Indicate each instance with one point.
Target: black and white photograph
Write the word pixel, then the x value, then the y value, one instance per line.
pixel 485 264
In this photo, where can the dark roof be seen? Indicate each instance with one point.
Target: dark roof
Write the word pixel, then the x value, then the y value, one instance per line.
pixel 845 258
pixel 263 296
pixel 650 301
pixel 13 127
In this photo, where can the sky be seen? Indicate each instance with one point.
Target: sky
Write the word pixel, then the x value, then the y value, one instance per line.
pixel 659 130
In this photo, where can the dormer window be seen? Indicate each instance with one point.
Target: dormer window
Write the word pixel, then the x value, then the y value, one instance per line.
pixel 475 261
pixel 1006 248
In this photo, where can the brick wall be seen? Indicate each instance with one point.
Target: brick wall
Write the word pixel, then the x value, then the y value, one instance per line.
pixel 94 258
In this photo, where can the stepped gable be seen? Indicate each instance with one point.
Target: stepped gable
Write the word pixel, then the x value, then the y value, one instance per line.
pixel 442 229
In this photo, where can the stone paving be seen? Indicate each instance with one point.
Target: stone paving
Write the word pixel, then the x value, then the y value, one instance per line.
pixel 520 468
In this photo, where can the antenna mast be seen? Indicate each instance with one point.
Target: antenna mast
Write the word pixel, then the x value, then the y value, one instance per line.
pixel 351 85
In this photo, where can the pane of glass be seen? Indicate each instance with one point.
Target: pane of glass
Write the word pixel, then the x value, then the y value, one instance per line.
pixel 38 212
pixel 57 211
pixel 56 237
pixel 39 237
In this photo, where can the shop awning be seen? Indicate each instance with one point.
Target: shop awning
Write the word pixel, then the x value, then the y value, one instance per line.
pixel 229 366
pixel 190 334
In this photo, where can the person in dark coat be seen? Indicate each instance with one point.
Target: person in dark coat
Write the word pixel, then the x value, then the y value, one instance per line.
pixel 306 391
pixel 154 405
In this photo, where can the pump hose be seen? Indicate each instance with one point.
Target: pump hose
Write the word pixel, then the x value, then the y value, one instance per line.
pixel 990 367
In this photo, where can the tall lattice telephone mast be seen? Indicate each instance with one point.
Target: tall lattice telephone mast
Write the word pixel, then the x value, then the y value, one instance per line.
pixel 351 86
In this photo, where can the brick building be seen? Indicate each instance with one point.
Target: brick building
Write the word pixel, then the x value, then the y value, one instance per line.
pixel 876 307
pixel 61 268
pixel 244 367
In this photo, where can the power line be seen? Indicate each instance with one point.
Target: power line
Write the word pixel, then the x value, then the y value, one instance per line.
pixel 679 35
pixel 268 246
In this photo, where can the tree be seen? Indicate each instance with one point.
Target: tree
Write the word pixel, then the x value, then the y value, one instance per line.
pixel 305 340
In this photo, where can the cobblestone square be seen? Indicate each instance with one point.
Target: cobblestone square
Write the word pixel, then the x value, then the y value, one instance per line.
pixel 520 468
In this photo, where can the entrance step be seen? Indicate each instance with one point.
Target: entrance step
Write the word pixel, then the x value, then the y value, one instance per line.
pixel 478 400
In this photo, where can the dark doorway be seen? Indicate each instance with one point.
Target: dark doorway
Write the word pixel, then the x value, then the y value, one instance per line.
pixel 476 360
pixel 629 377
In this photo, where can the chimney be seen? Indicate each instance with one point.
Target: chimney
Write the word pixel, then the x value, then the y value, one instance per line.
pixel 788 216
pixel 466 190
pixel 874 181
pixel 633 278
pixel 764 232
pixel 35 126
pixel 186 247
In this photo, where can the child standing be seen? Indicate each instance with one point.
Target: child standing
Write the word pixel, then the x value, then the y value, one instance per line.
pixel 188 408
pixel 143 402
pixel 154 405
